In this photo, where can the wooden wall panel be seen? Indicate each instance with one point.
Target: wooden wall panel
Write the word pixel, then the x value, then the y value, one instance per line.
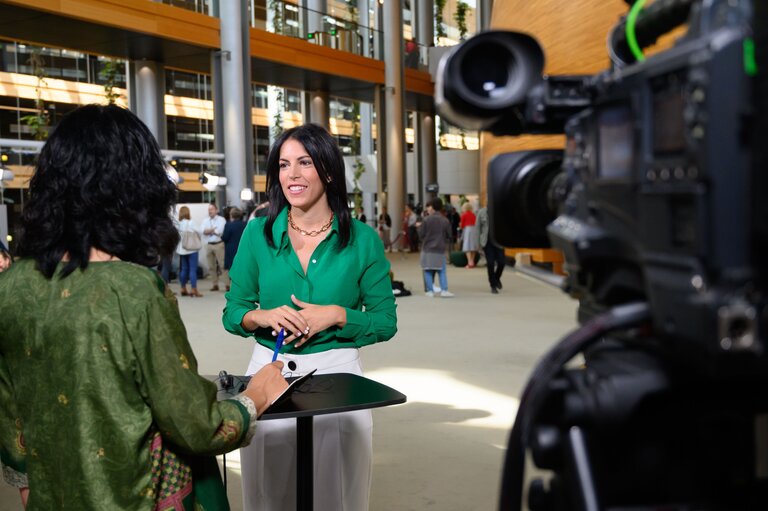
pixel 136 15
pixel 303 54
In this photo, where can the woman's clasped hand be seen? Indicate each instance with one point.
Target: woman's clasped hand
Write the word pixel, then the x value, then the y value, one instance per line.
pixel 300 325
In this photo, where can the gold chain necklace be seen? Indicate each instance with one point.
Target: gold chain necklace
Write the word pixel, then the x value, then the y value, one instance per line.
pixel 309 233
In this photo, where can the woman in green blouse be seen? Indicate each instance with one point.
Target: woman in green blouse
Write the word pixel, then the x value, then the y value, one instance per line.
pixel 309 268
pixel 101 405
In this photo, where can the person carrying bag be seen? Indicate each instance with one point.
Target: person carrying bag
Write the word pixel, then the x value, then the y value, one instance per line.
pixel 191 240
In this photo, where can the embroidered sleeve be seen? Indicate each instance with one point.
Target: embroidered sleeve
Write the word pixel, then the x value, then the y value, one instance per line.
pixel 13 453
pixel 250 407
pixel 183 404
pixel 14 477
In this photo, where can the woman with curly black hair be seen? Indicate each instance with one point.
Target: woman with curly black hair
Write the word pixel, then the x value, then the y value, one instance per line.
pixel 308 268
pixel 101 405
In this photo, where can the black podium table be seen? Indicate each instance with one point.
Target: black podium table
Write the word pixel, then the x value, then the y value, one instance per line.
pixel 323 394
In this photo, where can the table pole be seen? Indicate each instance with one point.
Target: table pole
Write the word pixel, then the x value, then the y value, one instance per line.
pixel 304 464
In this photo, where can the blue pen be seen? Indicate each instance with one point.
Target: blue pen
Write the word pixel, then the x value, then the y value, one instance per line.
pixel 278 344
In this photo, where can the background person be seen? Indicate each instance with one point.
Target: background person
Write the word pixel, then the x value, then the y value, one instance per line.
pixel 360 212
pixel 233 231
pixel 435 235
pixel 385 229
pixel 259 210
pixel 454 219
pixel 494 254
pixel 101 405
pixel 213 228
pixel 310 268
pixel 468 234
pixel 188 258
pixel 412 231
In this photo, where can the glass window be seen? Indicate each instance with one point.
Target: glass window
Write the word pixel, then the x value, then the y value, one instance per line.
pixel 186 134
pixel 292 100
pixel 260 147
pixel 259 96
pixel 190 85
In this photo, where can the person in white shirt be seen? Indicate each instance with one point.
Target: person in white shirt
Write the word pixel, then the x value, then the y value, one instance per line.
pixel 213 228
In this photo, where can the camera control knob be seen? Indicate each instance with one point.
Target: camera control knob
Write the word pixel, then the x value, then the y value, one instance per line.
pixel 539 497
pixel 546 446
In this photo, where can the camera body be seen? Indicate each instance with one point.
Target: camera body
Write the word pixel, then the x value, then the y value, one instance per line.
pixel 652 198
pixel 658 202
pixel 658 171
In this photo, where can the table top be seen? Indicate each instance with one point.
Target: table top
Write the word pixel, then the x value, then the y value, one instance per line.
pixel 329 393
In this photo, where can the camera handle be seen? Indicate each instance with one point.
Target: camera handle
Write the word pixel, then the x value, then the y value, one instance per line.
pixel 618 318
pixel 654 21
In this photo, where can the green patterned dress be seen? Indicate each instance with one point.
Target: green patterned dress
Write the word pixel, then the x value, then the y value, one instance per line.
pixel 101 404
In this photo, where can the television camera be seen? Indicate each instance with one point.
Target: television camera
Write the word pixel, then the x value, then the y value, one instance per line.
pixel 659 202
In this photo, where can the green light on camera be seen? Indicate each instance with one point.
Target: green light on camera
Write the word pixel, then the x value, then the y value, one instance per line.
pixel 750 64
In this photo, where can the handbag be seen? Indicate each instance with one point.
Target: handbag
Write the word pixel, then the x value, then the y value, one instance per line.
pixel 190 240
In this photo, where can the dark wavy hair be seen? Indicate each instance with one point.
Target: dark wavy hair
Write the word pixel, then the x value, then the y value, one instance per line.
pixel 327 158
pixel 100 182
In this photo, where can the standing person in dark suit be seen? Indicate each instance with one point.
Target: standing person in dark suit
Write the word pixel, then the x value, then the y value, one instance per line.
pixel 361 214
pixel 233 231
pixel 455 220
pixel 494 254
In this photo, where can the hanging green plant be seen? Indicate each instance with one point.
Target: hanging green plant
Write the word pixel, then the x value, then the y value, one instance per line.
pixel 352 10
pixel 39 121
pixel 357 192
pixel 439 22
pixel 442 130
pixel 109 75
pixel 277 120
pixel 276 6
pixel 460 17
pixel 359 168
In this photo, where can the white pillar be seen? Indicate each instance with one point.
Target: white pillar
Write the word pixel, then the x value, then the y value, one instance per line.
pixel 424 26
pixel 147 97
pixel 314 9
pixel 483 14
pixel 320 109
pixel 395 114
pixel 366 149
pixel 427 152
pixel 234 97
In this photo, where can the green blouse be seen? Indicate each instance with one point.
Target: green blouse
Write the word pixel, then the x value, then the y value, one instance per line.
pixel 356 278
pixel 101 404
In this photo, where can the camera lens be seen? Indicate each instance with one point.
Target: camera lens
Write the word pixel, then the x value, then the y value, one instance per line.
pixel 525 189
pixel 488 72
pixel 481 79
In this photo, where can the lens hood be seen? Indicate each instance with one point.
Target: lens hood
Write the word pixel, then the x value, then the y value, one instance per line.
pixel 480 80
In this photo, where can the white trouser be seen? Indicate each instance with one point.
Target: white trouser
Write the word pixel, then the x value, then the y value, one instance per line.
pixel 343 446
